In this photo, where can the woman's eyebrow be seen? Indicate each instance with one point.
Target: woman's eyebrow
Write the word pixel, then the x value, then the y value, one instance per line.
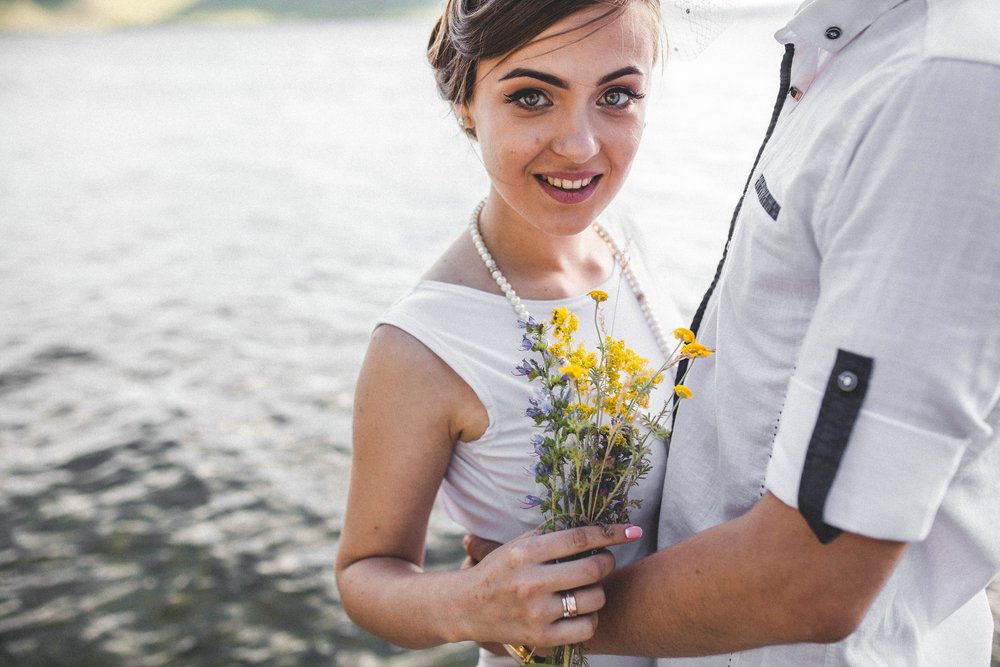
pixel 534 74
pixel 559 83
pixel 624 71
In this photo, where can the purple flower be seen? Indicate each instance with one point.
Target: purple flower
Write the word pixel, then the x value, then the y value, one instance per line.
pixel 521 324
pixel 526 343
pixel 524 368
pixel 537 441
pixel 541 405
pixel 531 501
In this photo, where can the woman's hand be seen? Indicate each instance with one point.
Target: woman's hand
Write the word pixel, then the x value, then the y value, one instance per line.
pixel 410 409
pixel 515 592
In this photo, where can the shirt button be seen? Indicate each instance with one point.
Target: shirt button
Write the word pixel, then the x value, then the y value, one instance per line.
pixel 833 32
pixel 847 381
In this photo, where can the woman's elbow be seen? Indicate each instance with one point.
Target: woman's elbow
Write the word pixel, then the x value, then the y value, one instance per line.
pixel 344 588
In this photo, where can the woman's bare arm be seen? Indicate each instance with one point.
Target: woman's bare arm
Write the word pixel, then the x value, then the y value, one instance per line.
pixel 410 409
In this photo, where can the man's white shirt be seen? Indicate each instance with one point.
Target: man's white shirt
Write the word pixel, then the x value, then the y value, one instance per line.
pixel 858 325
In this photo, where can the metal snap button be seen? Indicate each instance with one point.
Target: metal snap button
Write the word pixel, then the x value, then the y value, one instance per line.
pixel 795 93
pixel 833 32
pixel 847 381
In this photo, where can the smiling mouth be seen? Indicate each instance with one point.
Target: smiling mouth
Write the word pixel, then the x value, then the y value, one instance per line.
pixel 567 184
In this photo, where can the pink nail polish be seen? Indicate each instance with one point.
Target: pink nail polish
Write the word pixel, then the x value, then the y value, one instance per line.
pixel 633 532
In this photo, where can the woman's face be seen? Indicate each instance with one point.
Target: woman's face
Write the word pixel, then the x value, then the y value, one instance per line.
pixel 559 121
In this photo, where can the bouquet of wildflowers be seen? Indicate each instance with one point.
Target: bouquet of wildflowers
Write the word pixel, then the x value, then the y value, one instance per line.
pixel 593 409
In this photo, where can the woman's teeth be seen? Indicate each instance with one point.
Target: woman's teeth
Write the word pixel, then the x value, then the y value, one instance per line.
pixel 565 184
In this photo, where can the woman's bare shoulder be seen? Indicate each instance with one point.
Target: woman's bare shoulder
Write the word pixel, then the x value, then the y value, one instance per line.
pixel 401 372
pixel 399 353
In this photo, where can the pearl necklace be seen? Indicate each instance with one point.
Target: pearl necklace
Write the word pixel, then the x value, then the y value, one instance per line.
pixel 522 311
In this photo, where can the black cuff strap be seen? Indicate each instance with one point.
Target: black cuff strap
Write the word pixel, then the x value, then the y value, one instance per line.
pixel 845 392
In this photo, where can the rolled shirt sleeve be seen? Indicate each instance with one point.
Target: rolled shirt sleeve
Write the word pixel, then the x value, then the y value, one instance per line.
pixel 909 237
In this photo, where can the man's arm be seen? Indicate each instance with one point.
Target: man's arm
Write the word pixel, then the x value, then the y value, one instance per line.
pixel 758 580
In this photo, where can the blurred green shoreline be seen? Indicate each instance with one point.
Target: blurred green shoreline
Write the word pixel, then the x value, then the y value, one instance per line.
pixel 48 16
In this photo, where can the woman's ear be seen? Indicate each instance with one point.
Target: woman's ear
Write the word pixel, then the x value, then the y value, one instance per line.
pixel 465 120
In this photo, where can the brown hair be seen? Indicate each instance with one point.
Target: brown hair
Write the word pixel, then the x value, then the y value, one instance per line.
pixel 469 31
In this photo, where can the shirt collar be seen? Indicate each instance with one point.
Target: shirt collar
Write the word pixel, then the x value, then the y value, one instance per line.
pixel 832 24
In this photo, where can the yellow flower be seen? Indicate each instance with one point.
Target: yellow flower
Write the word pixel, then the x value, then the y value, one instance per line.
pixel 598 295
pixel 564 320
pixel 580 356
pixel 564 324
pixel 575 371
pixel 682 391
pixel 613 405
pixel 695 349
pixel 684 334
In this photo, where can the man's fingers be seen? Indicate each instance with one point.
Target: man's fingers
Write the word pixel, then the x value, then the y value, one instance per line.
pixel 477 548
pixel 495 648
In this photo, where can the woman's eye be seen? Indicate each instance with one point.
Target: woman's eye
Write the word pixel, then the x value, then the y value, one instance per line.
pixel 529 99
pixel 620 97
pixel 614 97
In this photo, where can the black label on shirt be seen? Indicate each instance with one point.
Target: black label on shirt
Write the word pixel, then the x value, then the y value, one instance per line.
pixel 769 203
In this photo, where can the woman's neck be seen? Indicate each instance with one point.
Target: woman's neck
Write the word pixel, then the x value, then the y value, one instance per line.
pixel 542 263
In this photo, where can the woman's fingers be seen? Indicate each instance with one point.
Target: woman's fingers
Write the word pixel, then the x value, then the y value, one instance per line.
pixel 561 630
pixel 585 600
pixel 561 544
pixel 578 572
pixel 568 543
pixel 574 558
pixel 536 559
pixel 583 604
pixel 570 631
pixel 521 584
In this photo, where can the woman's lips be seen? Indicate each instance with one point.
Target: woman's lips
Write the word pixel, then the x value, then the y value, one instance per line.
pixel 569 188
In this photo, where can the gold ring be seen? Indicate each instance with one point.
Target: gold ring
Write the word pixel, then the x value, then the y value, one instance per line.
pixel 522 653
pixel 569 604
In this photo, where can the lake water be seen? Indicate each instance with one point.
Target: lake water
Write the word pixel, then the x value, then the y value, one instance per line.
pixel 199 227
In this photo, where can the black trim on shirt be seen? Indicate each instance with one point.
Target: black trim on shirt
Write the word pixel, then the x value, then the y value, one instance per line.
pixel 784 83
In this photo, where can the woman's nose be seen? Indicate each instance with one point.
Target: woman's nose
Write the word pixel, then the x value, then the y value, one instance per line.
pixel 576 138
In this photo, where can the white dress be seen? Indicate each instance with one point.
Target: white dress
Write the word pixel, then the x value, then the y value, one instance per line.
pixel 476 334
